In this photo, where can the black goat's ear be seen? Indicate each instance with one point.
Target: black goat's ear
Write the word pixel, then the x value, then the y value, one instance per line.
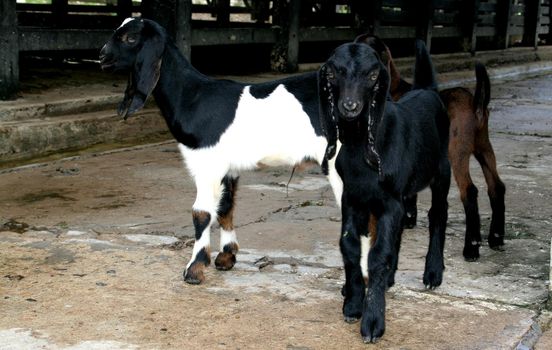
pixel 375 115
pixel 122 108
pixel 327 103
pixel 145 76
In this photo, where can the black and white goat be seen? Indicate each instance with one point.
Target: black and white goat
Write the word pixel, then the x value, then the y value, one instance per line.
pixel 389 151
pixel 222 126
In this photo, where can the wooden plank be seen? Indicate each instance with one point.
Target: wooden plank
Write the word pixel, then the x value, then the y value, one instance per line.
pixel 37 39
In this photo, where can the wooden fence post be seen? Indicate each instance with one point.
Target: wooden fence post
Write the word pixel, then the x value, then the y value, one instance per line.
pixel 59 10
pixel 469 13
pixel 367 15
pixel 183 35
pixel 223 12
pixel 293 36
pixel 533 12
pixel 124 9
pixel 9 54
pixel 503 18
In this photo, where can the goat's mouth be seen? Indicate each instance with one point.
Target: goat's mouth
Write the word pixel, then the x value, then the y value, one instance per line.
pixel 106 64
pixel 350 114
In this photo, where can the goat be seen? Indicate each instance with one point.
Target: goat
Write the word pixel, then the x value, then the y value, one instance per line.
pixel 469 134
pixel 222 127
pixel 388 151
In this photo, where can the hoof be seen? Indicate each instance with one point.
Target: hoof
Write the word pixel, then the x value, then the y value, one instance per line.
pixel 349 319
pixel 194 274
pixel 496 241
pixel 225 261
pixel 471 252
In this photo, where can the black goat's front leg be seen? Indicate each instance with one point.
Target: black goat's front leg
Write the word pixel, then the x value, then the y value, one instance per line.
pixel 438 216
pixel 380 265
pixel 355 224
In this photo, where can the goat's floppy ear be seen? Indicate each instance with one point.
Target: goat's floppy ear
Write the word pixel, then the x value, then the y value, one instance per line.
pixel 375 114
pixel 145 75
pixel 122 108
pixel 328 122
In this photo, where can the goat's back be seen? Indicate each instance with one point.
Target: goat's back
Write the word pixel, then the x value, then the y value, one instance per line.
pixel 416 138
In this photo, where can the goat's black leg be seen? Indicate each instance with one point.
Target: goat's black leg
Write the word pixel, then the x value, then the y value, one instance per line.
pixel 355 223
pixel 460 162
pixel 496 231
pixel 438 214
pixel 395 261
pixel 380 261
pixel 226 258
pixel 496 191
pixel 472 240
pixel 411 211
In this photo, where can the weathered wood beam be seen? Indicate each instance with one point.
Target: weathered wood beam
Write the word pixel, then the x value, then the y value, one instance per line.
pixel 9 54
pixel 183 35
pixel 533 13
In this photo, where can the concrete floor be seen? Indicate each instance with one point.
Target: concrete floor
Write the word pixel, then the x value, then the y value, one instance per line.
pixel 92 250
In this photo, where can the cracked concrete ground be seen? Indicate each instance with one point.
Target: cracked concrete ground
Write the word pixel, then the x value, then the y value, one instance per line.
pixel 92 250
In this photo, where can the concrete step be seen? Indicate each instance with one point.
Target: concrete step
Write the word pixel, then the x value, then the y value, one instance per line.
pixel 26 139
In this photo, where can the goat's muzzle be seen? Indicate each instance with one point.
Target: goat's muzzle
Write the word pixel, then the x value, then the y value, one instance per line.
pixel 350 108
pixel 107 60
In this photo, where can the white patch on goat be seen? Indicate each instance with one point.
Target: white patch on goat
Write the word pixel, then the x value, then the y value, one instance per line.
pixel 126 21
pixel 365 243
pixel 227 237
pixel 273 131
pixel 335 180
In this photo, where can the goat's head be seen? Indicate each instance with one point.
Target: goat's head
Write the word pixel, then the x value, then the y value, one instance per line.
pixel 137 47
pixel 353 85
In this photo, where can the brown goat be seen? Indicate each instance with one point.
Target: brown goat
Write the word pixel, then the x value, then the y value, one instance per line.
pixel 468 134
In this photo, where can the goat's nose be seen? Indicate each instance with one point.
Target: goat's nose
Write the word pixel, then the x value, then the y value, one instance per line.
pixel 350 105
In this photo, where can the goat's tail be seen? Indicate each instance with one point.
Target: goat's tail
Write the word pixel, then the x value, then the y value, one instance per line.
pixel 424 72
pixel 482 94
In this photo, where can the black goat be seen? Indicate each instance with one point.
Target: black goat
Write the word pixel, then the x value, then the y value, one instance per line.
pixel 469 135
pixel 222 126
pixel 389 151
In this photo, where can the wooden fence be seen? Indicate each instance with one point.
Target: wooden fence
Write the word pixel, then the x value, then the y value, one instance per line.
pixel 39 25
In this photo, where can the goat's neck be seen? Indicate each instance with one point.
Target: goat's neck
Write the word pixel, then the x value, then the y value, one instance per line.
pixel 178 83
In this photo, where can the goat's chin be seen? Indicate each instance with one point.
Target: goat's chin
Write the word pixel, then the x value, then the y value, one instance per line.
pixel 349 116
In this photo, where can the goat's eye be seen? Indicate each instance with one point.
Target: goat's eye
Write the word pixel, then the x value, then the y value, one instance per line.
pixel 131 39
pixel 373 76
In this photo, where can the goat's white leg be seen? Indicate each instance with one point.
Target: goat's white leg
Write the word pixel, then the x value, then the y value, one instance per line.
pixel 203 214
pixel 229 247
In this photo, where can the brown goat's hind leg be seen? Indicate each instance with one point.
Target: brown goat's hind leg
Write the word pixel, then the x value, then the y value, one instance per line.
pixel 496 191
pixel 468 195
